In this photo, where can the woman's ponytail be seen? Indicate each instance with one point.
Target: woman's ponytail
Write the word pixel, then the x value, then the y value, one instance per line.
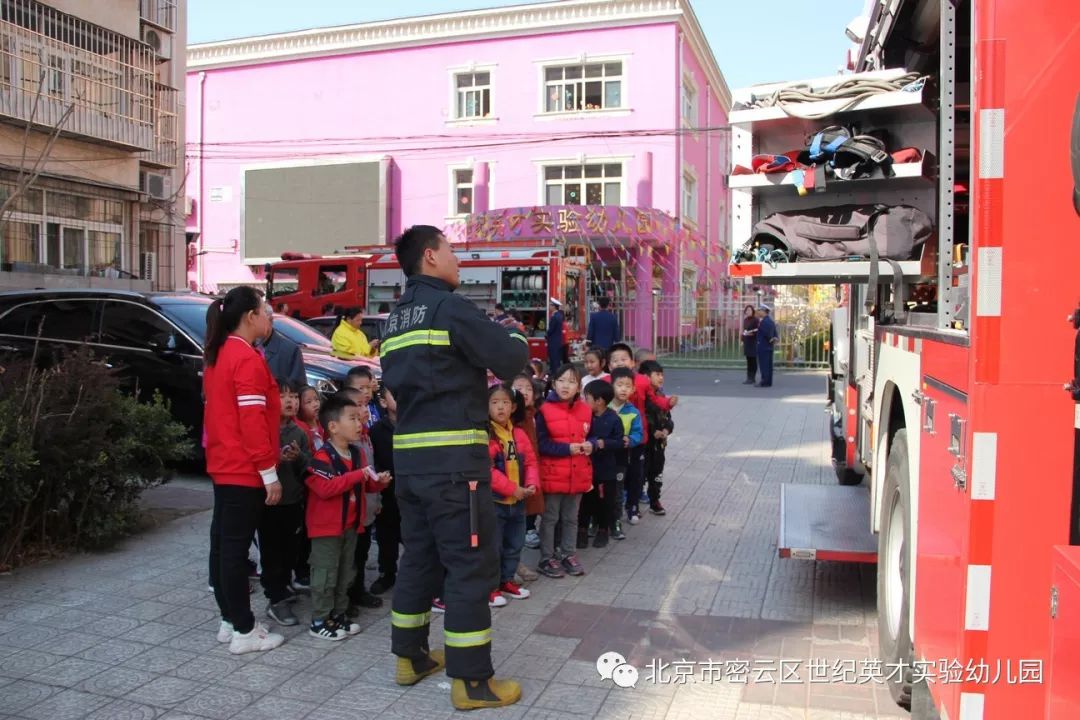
pixel 224 316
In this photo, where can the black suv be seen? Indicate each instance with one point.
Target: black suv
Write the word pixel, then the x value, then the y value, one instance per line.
pixel 154 340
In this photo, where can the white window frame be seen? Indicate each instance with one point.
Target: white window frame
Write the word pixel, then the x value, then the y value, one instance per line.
pixel 688 292
pixel 625 109
pixel 688 197
pixel 452 215
pixel 689 97
pixel 582 160
pixel 452 118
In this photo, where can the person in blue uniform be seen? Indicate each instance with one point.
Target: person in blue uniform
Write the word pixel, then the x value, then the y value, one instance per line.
pixel 555 336
pixel 766 341
pixel 603 331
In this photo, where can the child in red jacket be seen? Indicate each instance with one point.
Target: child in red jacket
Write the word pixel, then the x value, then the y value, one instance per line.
pixel 562 427
pixel 335 512
pixel 514 477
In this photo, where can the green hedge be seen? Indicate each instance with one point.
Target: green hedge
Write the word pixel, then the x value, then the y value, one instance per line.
pixel 75 454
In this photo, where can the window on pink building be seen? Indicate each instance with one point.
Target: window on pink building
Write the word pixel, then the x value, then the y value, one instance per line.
pixel 590 184
pixel 463 191
pixel 593 86
pixel 473 94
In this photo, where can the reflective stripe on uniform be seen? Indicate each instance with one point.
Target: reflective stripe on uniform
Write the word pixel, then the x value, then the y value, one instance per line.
pixel 468 639
pixel 519 336
pixel 415 337
pixel 439 438
pixel 403 620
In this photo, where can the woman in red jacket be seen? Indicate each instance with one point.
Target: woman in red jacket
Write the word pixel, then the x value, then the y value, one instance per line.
pixel 562 426
pixel 242 422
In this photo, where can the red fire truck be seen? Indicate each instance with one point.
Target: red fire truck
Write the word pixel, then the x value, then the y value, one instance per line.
pixel 954 442
pixel 306 286
pixel 522 276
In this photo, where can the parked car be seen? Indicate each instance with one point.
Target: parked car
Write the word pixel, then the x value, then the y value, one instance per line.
pixel 313 342
pixel 372 325
pixel 154 340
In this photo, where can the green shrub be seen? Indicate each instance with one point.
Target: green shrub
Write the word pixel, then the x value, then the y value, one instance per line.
pixel 75 454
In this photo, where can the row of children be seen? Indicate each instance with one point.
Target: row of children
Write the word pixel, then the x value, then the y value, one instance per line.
pixel 582 456
pixel 586 448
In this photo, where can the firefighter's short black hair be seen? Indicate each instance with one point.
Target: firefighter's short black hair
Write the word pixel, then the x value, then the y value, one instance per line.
pixel 411 244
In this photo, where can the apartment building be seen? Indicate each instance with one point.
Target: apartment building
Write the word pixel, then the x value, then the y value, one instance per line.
pixel 91 143
pixel 533 116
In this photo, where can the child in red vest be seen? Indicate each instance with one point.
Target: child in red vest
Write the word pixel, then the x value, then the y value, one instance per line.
pixel 514 477
pixel 562 428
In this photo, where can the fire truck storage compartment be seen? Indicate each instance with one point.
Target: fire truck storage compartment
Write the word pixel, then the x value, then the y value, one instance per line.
pixel 826 522
pixel 481 285
pixel 526 291
pixel 384 286
pixel 903 117
pixel 1063 668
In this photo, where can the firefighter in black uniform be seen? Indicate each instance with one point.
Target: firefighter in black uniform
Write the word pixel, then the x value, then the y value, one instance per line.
pixel 436 350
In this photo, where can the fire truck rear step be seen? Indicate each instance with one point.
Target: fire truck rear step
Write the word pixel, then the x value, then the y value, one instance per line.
pixel 826 522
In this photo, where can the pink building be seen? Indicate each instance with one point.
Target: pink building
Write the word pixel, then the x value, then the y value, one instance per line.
pixel 316 140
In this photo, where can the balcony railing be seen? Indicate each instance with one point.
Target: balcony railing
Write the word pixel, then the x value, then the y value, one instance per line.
pixel 166 140
pixel 159 12
pixel 59 72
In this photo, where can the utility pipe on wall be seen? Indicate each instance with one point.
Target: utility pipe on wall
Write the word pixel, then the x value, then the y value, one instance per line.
pixel 200 243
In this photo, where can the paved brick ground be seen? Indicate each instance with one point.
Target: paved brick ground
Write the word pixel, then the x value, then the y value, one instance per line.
pixel 129 634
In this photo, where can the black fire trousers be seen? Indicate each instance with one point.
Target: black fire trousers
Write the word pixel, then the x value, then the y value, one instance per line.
pixel 278 547
pixel 436 532
pixel 236 515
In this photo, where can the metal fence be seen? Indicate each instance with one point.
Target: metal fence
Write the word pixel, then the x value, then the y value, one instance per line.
pixel 696 333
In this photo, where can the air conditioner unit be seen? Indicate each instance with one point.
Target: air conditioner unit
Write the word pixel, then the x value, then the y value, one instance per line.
pixel 148 266
pixel 159 42
pixel 153 184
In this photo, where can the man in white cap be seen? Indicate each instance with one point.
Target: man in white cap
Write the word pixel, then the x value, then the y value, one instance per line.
pixel 555 337
pixel 766 339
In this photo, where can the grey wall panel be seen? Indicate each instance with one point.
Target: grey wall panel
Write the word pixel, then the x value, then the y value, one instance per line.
pixel 313 208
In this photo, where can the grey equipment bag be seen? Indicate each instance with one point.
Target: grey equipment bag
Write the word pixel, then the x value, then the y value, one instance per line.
pixel 843 231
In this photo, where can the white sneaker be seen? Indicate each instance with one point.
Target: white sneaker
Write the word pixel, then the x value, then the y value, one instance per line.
pixel 225 632
pixel 634 520
pixel 258 640
pixel 346 624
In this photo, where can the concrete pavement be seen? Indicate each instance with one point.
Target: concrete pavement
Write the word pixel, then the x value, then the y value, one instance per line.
pixel 697 602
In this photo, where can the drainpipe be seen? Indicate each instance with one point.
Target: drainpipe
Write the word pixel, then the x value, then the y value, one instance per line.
pixel 679 155
pixel 708 187
pixel 201 243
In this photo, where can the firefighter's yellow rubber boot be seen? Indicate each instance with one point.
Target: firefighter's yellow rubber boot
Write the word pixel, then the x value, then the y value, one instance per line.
pixel 410 671
pixel 490 693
